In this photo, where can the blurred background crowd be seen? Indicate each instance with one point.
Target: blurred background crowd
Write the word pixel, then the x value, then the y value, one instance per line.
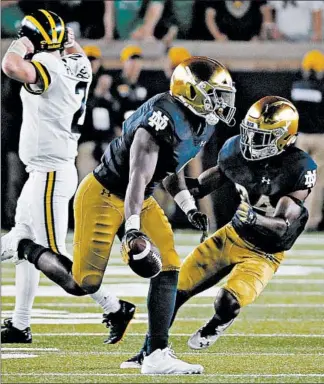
pixel 120 85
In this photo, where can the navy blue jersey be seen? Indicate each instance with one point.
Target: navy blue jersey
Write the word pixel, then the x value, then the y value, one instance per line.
pixel 262 183
pixel 178 132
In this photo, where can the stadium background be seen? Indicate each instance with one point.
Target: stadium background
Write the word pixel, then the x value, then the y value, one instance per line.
pixel 263 66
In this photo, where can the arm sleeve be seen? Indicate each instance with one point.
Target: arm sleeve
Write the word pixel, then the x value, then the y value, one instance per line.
pixel 46 66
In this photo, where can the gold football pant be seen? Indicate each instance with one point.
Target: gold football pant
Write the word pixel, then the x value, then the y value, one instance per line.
pixel 98 216
pixel 226 253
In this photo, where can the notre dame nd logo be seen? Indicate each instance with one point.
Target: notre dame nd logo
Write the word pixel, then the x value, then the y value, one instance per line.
pixel 158 121
pixel 310 179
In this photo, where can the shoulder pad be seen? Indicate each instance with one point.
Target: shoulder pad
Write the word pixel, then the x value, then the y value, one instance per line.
pixel 228 152
pixel 46 66
pixel 78 66
pixel 47 59
pixel 304 170
pixel 160 124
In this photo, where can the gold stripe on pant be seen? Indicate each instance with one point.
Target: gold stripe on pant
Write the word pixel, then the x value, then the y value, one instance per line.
pixel 49 211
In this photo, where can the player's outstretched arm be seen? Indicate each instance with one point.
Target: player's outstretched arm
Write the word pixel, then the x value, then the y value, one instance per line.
pixel 143 159
pixel 14 64
pixel 176 185
pixel 210 180
pixel 288 211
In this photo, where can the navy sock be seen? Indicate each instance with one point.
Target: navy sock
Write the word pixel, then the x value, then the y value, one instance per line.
pixel 32 250
pixel 160 304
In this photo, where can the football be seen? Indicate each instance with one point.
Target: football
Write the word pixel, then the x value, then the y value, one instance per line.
pixel 144 258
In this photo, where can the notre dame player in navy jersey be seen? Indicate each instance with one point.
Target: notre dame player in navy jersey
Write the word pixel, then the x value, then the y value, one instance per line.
pixel 158 140
pixel 179 134
pixel 274 179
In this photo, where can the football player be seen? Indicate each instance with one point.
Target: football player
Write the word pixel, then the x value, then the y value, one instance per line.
pixel 274 179
pixel 159 139
pixel 56 75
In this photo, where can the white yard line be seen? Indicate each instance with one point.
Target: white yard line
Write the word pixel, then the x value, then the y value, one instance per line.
pixel 140 375
pixel 195 353
pixel 30 349
pixel 261 335
pixel 97 320
pixel 5 356
pixel 280 280
pixel 139 289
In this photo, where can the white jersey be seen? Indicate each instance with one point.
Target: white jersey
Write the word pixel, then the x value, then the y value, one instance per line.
pixel 51 111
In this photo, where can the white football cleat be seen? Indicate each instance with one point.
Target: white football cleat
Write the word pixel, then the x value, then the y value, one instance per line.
pixel 164 362
pixel 10 241
pixel 207 335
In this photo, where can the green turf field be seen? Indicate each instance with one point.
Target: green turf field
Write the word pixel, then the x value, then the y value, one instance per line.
pixel 279 339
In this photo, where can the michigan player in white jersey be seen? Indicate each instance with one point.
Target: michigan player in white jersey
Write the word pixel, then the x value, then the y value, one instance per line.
pixel 56 75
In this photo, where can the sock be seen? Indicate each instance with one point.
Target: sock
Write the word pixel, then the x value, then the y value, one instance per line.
pixel 107 301
pixel 55 266
pixel 181 298
pixel 32 250
pixel 160 304
pixel 27 279
pixel 226 307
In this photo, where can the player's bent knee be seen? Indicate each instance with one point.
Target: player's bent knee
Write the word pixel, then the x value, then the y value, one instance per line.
pixel 243 291
pixel 73 289
pixel 170 261
pixel 90 283
pixel 227 305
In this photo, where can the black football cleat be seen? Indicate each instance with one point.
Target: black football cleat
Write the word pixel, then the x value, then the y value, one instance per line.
pixel 10 334
pixel 118 321
pixel 134 362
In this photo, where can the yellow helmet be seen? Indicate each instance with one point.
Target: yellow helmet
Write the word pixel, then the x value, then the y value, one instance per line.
pixel 45 29
pixel 205 87
pixel 269 127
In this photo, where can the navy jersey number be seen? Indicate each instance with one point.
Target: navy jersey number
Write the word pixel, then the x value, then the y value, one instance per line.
pixel 78 119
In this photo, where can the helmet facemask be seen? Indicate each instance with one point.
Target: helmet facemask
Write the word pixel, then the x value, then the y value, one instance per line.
pixel 217 103
pixel 257 144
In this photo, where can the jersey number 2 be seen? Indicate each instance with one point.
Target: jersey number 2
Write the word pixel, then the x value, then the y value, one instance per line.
pixel 78 119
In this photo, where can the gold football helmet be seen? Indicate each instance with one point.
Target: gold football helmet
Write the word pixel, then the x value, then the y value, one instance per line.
pixel 205 87
pixel 269 127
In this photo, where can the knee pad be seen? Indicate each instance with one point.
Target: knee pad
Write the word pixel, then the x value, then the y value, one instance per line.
pixel 91 283
pixel 244 291
pixel 226 305
pixel 73 289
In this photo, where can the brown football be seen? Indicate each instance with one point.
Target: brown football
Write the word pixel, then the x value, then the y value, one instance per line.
pixel 144 258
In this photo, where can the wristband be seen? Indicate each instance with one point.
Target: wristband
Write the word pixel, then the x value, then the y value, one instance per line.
pixel 185 201
pixel 17 47
pixel 133 222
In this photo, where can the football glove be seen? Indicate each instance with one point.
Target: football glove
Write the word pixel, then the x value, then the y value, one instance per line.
pixel 245 214
pixel 126 242
pixel 198 219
